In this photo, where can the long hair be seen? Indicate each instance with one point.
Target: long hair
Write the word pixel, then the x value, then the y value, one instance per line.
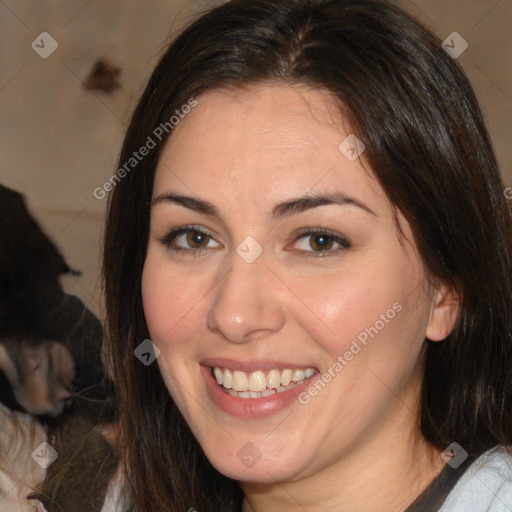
pixel 412 106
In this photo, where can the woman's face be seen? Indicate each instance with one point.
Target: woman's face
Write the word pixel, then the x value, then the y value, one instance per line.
pixel 274 263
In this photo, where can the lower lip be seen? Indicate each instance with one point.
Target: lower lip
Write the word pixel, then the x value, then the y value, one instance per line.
pixel 251 407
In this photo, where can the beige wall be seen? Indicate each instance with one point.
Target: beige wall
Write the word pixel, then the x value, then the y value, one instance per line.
pixel 59 142
pixel 486 26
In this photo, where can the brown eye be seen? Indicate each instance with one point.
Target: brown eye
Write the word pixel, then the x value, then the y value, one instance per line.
pixel 321 242
pixel 197 240
pixel 316 242
pixel 189 239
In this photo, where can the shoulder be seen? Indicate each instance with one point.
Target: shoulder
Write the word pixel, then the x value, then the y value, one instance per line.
pixel 486 486
pixel 116 499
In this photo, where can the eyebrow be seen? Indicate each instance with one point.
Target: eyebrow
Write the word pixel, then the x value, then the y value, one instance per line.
pixel 280 210
pixel 308 201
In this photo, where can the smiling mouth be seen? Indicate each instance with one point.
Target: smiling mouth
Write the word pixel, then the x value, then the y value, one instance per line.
pixel 259 384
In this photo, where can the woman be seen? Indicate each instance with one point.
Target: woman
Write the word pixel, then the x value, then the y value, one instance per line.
pixel 309 225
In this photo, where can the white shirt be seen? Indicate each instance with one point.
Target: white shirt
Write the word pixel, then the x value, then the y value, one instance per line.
pixel 486 486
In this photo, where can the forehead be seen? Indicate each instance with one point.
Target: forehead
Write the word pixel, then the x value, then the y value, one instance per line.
pixel 268 142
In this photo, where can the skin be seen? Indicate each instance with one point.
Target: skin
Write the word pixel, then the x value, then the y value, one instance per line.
pixel 356 445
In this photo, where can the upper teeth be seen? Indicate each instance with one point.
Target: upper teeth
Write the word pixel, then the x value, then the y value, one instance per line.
pixel 258 380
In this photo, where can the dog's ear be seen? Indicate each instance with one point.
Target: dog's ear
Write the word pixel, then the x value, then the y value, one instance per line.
pixel 30 267
pixel 26 251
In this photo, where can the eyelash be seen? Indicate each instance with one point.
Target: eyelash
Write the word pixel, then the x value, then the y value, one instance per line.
pixel 344 244
pixel 167 239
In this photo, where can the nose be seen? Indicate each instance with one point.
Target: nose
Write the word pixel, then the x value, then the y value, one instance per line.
pixel 247 302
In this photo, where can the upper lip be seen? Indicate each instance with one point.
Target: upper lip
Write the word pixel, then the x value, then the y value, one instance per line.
pixel 252 365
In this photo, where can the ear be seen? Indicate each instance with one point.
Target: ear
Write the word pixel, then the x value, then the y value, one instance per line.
pixel 443 314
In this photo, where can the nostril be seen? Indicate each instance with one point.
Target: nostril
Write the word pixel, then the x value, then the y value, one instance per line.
pixel 68 402
pixel 63 394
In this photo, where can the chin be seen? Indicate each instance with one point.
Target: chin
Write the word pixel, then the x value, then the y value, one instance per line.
pixel 249 465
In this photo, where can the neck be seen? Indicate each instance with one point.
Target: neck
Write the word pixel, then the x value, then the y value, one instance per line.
pixel 385 472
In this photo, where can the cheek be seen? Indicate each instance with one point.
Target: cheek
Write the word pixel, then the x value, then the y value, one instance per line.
pixel 340 307
pixel 373 317
pixel 172 308
pixel 171 301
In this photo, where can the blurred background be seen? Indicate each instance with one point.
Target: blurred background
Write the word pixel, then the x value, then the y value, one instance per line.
pixel 72 70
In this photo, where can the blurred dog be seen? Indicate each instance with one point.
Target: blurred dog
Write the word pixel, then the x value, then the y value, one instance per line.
pixel 51 372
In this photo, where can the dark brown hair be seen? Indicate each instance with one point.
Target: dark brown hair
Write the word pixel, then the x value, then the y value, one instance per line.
pixel 415 111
